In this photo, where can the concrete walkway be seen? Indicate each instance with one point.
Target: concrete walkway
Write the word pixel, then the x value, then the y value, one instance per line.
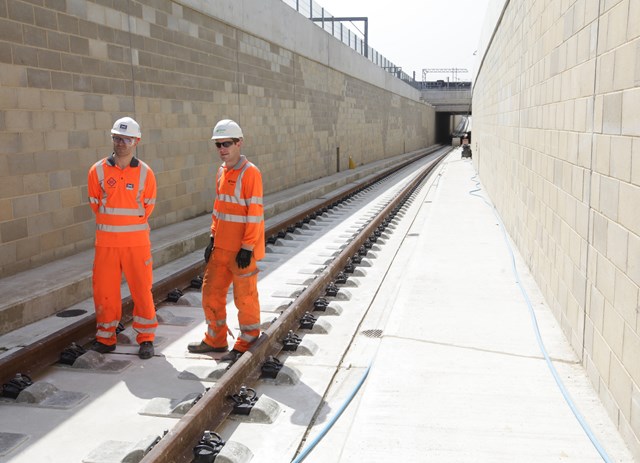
pixel 457 374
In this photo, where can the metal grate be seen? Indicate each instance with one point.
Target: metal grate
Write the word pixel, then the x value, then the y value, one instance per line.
pixel 71 313
pixel 372 333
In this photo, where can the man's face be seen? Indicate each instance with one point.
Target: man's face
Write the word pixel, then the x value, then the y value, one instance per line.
pixel 229 150
pixel 122 145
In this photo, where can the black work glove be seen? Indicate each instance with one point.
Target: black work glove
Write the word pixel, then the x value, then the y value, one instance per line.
pixel 208 250
pixel 243 258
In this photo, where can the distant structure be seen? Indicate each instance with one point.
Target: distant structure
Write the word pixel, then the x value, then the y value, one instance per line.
pixel 454 72
pixel 452 100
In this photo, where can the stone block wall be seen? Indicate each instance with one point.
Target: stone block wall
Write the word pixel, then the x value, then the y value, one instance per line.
pixel 556 141
pixel 70 68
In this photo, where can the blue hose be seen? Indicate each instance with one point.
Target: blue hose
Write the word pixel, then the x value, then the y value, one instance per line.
pixel 331 422
pixel 534 322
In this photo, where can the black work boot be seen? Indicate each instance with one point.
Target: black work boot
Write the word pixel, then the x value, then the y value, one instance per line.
pixel 97 346
pixel 202 348
pixel 146 350
pixel 232 356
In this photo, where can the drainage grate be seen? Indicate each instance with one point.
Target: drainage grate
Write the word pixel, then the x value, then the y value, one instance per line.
pixel 71 313
pixel 372 333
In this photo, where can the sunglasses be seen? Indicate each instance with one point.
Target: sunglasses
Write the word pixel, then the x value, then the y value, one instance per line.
pixel 225 144
pixel 126 141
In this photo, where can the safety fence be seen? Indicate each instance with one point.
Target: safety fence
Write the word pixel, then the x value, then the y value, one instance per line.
pixel 325 20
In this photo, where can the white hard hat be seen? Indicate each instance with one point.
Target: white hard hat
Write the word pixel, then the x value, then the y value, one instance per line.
pixel 226 128
pixel 127 127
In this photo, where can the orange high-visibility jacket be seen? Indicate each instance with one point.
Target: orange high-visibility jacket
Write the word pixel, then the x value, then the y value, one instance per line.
pixel 238 218
pixel 122 200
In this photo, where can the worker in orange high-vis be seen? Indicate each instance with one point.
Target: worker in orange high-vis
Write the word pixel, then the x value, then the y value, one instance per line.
pixel 237 242
pixel 122 194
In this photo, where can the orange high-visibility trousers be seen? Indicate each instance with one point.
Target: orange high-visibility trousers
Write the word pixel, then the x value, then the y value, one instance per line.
pixel 221 271
pixel 108 265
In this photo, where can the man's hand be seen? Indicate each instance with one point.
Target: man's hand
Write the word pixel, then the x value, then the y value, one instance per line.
pixel 243 258
pixel 208 250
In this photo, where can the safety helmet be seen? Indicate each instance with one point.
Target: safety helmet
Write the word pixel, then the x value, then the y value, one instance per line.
pixel 127 127
pixel 226 128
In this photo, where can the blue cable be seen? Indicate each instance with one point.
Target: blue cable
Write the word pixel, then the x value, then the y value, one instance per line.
pixel 331 422
pixel 534 322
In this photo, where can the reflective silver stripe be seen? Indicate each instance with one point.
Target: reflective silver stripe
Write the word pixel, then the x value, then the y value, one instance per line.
pixel 240 201
pixel 238 218
pixel 255 326
pixel 245 275
pixel 105 334
pixel 148 261
pixel 219 324
pixel 232 200
pixel 144 169
pixel 145 321
pixel 246 337
pixel 93 200
pixel 238 189
pixel 122 228
pixel 139 212
pixel 150 201
pixel 100 173
pixel 106 326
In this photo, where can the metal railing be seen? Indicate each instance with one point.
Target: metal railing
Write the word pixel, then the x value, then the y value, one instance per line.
pixel 445 85
pixel 311 9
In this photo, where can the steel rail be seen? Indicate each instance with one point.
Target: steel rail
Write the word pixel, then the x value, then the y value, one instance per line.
pixel 215 405
pixel 33 358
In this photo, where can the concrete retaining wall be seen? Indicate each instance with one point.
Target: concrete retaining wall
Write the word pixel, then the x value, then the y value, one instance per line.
pixel 69 68
pixel 556 140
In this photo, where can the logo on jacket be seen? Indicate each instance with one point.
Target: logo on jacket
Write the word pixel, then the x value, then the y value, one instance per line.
pixel 129 186
pixel 111 182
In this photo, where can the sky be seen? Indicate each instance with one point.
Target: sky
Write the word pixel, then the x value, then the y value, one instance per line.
pixel 419 34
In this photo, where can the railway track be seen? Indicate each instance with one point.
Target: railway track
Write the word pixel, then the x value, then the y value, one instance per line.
pixel 329 240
